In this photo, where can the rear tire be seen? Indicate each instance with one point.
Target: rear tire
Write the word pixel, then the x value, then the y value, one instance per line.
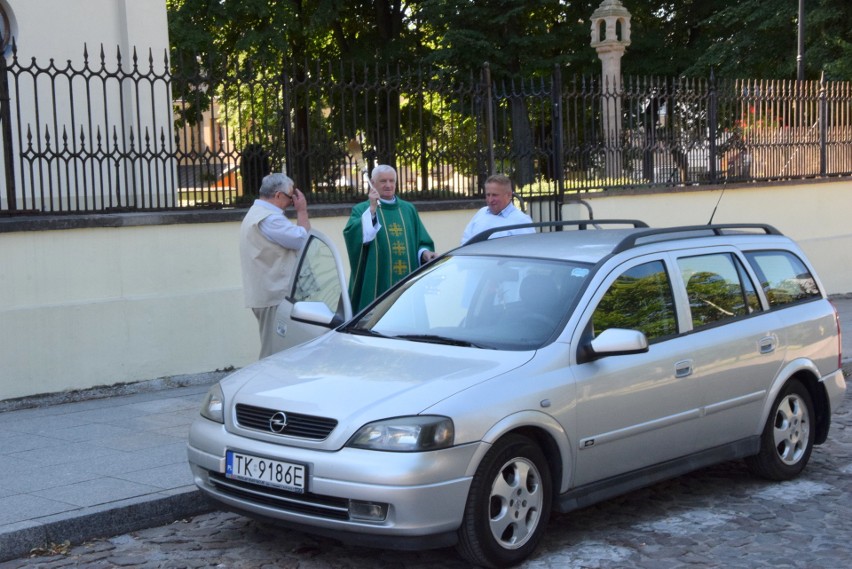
pixel 508 506
pixel 788 436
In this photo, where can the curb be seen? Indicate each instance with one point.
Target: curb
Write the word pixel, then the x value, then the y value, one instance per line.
pixel 107 521
pixel 116 390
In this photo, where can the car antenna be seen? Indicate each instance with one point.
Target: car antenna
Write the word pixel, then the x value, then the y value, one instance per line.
pixel 712 215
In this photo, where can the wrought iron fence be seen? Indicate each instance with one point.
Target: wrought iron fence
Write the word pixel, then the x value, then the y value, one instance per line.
pixel 107 135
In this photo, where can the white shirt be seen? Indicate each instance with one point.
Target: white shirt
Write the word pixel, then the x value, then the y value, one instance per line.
pixel 278 229
pixel 484 219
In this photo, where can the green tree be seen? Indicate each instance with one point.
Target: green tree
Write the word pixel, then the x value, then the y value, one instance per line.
pixel 258 42
pixel 828 39
pixel 251 41
pixel 759 39
pixel 668 35
pixel 517 38
pixel 265 44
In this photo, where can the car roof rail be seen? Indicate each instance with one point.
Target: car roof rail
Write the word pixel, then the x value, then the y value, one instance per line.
pixel 578 223
pixel 689 232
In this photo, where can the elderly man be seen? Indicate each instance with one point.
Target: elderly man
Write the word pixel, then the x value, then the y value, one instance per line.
pixel 499 211
pixel 269 246
pixel 385 240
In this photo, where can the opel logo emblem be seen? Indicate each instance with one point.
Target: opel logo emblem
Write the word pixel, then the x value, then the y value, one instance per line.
pixel 277 422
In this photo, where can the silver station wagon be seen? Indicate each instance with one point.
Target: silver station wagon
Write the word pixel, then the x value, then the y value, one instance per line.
pixel 520 375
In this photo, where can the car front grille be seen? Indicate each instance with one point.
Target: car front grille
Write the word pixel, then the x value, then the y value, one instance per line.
pixel 310 504
pixel 304 426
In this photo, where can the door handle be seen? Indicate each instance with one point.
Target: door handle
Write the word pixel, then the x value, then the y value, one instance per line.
pixel 767 345
pixel 683 368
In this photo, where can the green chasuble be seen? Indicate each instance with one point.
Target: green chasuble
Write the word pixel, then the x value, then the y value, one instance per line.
pixel 378 264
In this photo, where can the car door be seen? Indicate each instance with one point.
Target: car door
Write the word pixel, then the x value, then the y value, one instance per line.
pixel 318 281
pixel 737 351
pixel 639 409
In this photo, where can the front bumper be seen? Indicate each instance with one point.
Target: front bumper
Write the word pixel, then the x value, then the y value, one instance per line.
pixel 425 493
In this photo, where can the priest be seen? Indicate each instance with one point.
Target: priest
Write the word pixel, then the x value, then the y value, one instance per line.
pixel 385 240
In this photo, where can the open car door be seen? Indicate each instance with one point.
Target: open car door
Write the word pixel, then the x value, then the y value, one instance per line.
pixel 318 299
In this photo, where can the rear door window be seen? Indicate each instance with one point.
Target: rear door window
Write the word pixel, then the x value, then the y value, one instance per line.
pixel 783 276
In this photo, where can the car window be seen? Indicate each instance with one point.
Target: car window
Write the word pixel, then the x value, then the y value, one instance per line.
pixel 490 302
pixel 639 299
pixel 718 288
pixel 784 277
pixel 317 277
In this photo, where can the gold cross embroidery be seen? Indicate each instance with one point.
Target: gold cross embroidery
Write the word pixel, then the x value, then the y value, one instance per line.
pixel 400 267
pixel 395 229
pixel 398 247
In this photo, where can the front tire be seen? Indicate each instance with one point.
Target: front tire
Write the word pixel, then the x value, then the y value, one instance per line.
pixel 788 436
pixel 508 506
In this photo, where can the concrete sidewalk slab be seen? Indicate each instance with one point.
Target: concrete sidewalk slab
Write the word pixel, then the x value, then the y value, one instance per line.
pixel 74 471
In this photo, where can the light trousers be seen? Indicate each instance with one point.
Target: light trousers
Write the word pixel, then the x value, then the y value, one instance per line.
pixel 270 341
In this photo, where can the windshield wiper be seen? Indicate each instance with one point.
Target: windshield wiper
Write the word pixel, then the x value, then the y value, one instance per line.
pixel 366 332
pixel 436 339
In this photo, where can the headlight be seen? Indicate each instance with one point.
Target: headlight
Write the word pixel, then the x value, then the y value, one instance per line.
pixel 213 407
pixel 405 434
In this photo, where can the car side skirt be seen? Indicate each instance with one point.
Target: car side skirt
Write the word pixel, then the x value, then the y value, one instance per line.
pixel 605 489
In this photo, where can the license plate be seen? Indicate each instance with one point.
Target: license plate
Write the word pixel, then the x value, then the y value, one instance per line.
pixel 266 472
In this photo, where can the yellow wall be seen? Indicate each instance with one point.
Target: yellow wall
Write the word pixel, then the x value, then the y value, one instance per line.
pixel 81 308
pixel 88 307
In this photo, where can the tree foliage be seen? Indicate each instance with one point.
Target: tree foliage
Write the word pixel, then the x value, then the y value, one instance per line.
pixel 513 37
pixel 759 39
pixel 257 41
pixel 754 38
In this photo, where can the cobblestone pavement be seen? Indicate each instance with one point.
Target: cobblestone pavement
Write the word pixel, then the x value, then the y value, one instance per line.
pixel 717 517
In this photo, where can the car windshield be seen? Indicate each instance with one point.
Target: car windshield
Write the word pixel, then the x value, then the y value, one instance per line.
pixel 480 301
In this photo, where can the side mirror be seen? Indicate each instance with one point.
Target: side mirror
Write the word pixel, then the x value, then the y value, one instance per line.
pixel 314 312
pixel 618 342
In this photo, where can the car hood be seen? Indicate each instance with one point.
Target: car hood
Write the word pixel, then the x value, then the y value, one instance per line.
pixel 358 379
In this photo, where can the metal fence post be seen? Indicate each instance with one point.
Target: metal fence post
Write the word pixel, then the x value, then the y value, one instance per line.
pixel 423 141
pixel 489 117
pixel 6 129
pixel 823 126
pixel 285 120
pixel 558 148
pixel 713 126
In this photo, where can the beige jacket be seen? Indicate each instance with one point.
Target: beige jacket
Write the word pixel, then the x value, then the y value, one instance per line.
pixel 266 266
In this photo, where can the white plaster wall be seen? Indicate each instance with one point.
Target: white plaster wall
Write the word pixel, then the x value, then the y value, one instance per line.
pixel 59 28
pixel 87 307
pixel 103 113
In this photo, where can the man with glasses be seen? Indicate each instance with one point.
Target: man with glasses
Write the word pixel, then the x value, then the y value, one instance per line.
pixel 269 247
